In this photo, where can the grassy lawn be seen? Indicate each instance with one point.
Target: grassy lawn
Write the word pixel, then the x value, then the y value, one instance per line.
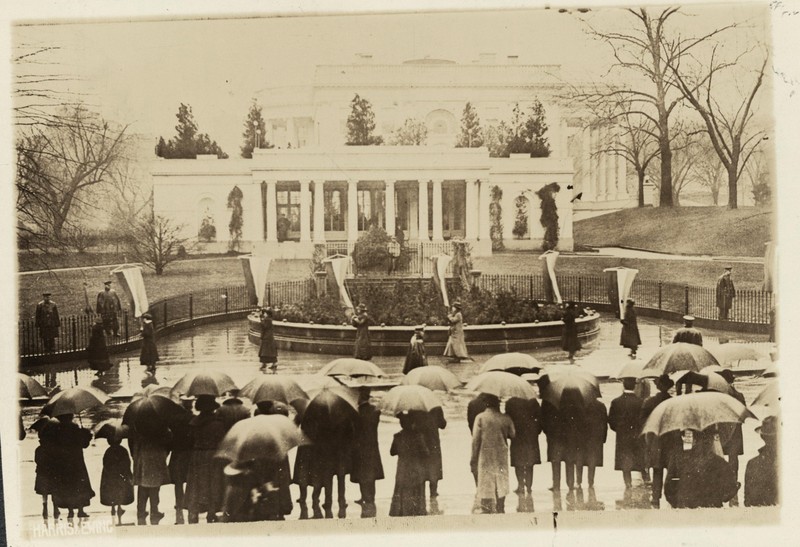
pixel 714 231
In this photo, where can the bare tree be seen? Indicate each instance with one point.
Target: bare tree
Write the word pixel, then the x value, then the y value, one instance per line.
pixel 708 168
pixel 155 241
pixel 683 162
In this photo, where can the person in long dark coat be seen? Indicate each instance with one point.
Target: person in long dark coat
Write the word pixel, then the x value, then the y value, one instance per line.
pixel 734 445
pixel 97 351
pixel 46 457
pixel 180 455
pixel 332 457
pixel 73 487
pixel 408 498
pixel 279 473
pixel 232 410
pixel 116 481
pixel 526 416
pixel 148 357
pixel 150 472
pixel 761 474
pixel 108 306
pixel 416 356
pixel 697 477
pixel 659 450
pixel 267 350
pixel 590 454
pixel 204 476
pixel 569 335
pixel 688 333
pixel 629 338
pixel 624 417
pixel 48 322
pixel 301 474
pixel 725 293
pixel 429 424
pixel 361 321
pixel 367 466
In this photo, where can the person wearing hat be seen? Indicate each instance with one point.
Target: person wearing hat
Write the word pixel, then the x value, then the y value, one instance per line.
pixel 761 474
pixel 726 292
pixel 658 449
pixel 181 454
pixel 456 348
pixel 734 445
pixel 73 489
pixel 489 462
pixel 108 305
pixel 361 321
pixel 47 322
pixel 47 459
pixel 629 338
pixel 416 356
pixel 367 465
pixel 267 349
pixel 623 418
pixel 97 351
pixel 688 333
pixel 408 444
pixel 204 478
pixel 394 253
pixel 525 414
pixel 149 354
pixel 569 335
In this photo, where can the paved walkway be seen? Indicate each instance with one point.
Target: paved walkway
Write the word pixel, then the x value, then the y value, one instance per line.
pixel 622 252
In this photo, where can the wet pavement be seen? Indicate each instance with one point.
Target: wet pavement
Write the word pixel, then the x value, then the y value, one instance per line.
pixel 225 346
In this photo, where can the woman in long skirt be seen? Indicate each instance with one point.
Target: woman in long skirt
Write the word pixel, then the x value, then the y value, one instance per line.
pixel 73 488
pixel 96 351
pixel 363 346
pixel 569 336
pixel 47 459
pixel 204 488
pixel 630 329
pixel 149 355
pixel 409 446
pixel 267 350
pixel 526 417
pixel 416 356
pixel 456 348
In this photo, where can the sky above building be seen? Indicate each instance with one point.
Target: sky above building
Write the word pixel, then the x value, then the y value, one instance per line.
pixel 138 70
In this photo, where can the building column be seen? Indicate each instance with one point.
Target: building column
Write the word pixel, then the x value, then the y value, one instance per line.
pixel 391 213
pixel 611 171
pixel 484 218
pixel 272 210
pixel 305 211
pixel 472 220
pixel 423 210
pixel 622 178
pixel 319 212
pixel 602 188
pixel 437 210
pixel 352 211
pixel 586 165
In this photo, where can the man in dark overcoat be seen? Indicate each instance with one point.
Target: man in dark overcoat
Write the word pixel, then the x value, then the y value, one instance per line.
pixel 367 465
pixel 108 305
pixel 624 420
pixel 734 445
pixel 47 321
pixel 659 450
pixel 429 424
pixel 688 333
pixel 761 475
pixel 726 292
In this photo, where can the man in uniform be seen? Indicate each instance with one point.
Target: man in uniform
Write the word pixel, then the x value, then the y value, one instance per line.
pixel 394 253
pixel 47 321
pixel 726 292
pixel 688 333
pixel 108 305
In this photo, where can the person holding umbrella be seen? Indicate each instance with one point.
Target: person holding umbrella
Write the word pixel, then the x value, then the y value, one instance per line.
pixel 696 476
pixel 408 498
pixel 204 475
pixel 734 445
pixel 416 356
pixel 73 487
pixel 149 354
pixel 367 466
pixel 590 452
pixel 232 410
pixel 624 420
pixel 761 474
pixel 688 333
pixel 659 450
pixel 525 414
pixel 301 474
pixel 47 461
pixel 456 348
pixel 361 321
pixel 569 336
pixel 489 459
pixel 180 455
pixel 629 338
pixel 97 351
pixel 428 423
pixel 150 472
pixel 48 322
pixel 267 350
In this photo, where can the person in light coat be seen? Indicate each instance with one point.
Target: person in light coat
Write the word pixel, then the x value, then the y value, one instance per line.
pixel 456 348
pixel 489 461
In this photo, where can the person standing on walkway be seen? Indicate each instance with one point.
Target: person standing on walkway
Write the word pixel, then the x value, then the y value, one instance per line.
pixel 590 452
pixel 726 292
pixel 180 455
pixel 408 498
pixel 116 481
pixel 108 306
pixel 48 322
pixel 148 357
pixel 734 445
pixel 47 461
pixel 696 476
pixel 761 474
pixel 624 419
pixel 361 321
pixel 73 487
pixel 489 460
pixel 97 351
pixel 428 424
pixel 394 254
pixel 456 348
pixel 268 349
pixel 525 414
pixel 659 450
pixel 416 356
pixel 688 333
pixel 569 336
pixel 367 466
pixel 204 475
pixel 629 338
pixel 150 472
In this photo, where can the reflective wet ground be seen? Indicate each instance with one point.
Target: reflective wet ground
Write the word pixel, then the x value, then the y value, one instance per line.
pixel 225 346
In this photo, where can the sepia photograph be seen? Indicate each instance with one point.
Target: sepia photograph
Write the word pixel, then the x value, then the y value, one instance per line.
pixel 351 275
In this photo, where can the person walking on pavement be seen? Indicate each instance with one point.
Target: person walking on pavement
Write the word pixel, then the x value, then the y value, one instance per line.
pixel 629 338
pixel 624 419
pixel 361 321
pixel 688 333
pixel 489 459
pixel 659 449
pixel 47 322
pixel 367 466
pixel 569 336
pixel 456 348
pixel 268 349
pixel 148 357
pixel 726 292
pixel 416 356
pixel 108 305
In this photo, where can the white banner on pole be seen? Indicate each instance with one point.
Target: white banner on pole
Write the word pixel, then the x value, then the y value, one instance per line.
pixel 625 277
pixel 129 277
pixel 339 265
pixel 550 263
pixel 256 269
pixel 440 263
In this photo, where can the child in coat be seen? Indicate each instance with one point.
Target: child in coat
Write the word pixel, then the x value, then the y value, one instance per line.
pixel 116 482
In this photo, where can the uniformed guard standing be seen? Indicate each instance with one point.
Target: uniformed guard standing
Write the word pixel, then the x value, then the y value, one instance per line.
pixel 108 305
pixel 47 321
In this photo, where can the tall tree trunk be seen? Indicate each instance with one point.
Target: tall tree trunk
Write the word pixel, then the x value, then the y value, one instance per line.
pixel 733 198
pixel 640 174
pixel 666 161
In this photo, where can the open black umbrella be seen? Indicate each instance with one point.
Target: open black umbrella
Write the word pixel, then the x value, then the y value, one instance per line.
pixel 263 437
pixel 273 387
pixel 150 415
pixel 331 414
pixel 30 388
pixel 74 400
pixel 204 382
pixel 676 357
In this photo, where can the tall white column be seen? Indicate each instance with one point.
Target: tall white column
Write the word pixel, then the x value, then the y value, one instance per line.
pixel 602 189
pixel 352 210
pixel 484 218
pixel 437 210
pixel 423 210
pixel 611 169
pixel 319 212
pixel 390 207
pixel 586 165
pixel 472 213
pixel 622 178
pixel 305 211
pixel 272 210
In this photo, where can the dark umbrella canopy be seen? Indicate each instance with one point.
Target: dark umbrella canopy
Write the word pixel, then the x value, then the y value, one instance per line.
pixel 151 414
pixel 111 429
pixel 676 357
pixel 273 388
pixel 331 414
pixel 207 382
pixel 697 411
pixel 74 400
pixel 263 437
pixel 30 388
pixel 560 383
